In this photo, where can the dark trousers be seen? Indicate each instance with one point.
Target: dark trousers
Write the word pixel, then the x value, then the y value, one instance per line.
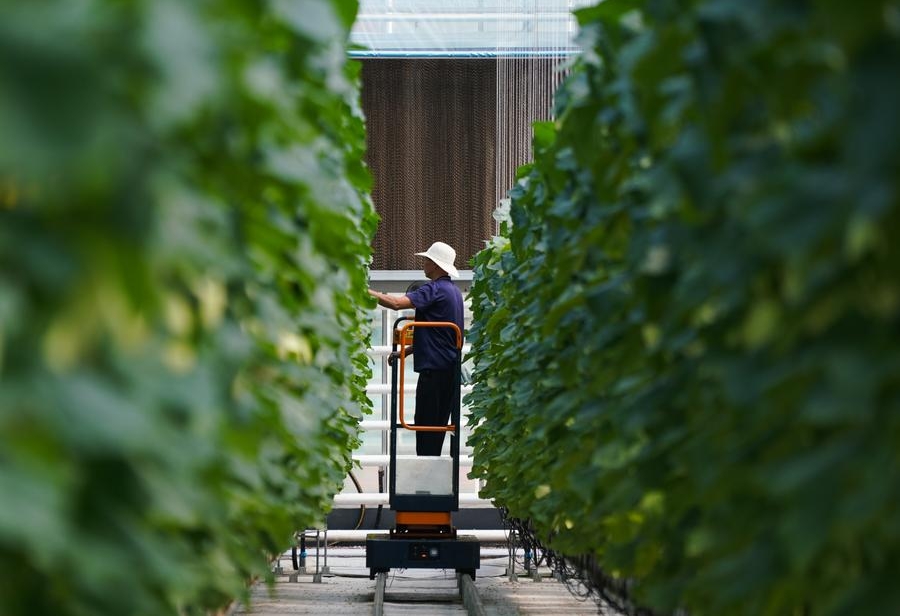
pixel 437 394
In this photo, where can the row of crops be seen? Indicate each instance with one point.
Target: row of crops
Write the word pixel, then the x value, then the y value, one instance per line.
pixel 184 237
pixel 686 336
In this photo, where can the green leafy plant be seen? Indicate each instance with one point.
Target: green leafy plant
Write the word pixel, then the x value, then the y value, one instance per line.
pixel 685 341
pixel 184 238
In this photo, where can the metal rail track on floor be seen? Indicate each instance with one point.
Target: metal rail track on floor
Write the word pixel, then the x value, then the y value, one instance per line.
pixel 468 596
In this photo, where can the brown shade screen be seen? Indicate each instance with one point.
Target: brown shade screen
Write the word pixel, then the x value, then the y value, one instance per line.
pixel 431 139
pixel 433 133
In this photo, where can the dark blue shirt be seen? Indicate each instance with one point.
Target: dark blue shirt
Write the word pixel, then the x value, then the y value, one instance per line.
pixel 434 348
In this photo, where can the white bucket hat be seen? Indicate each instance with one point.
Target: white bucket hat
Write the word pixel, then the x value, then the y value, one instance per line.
pixel 443 256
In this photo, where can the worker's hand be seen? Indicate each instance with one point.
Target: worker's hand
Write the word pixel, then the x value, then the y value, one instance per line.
pixel 392 358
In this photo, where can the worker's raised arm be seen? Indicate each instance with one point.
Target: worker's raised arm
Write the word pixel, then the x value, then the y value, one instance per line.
pixel 394 302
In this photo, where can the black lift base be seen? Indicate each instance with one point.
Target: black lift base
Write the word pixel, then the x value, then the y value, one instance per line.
pixel 384 553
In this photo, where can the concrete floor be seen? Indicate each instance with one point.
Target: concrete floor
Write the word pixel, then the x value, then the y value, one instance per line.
pixel 347 590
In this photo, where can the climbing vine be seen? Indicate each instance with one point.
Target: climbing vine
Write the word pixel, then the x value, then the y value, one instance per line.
pixel 184 237
pixel 685 339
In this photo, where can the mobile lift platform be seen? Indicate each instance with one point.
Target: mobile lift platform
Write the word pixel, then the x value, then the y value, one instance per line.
pixel 423 490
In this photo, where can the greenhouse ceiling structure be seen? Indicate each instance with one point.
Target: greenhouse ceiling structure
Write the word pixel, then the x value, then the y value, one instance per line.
pixel 477 28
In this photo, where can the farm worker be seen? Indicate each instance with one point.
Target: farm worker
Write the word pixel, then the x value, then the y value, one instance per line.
pixel 435 356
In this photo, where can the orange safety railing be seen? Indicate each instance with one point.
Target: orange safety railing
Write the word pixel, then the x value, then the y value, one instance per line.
pixel 403 339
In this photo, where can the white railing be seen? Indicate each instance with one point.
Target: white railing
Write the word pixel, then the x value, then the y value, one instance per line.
pixel 483 535
pixel 383 389
pixel 373 499
pixel 383 459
